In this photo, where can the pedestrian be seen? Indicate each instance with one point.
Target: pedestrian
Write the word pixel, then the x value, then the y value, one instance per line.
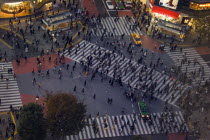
pixel 14 76
pixel 34 81
pixel 75 88
pixel 83 90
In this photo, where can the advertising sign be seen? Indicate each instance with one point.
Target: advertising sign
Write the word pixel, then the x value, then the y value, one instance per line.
pixel 172 4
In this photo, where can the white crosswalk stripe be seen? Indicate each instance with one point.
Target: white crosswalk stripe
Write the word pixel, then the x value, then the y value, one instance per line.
pixel 163 82
pixel 161 121
pixel 190 54
pixel 9 91
pixel 122 26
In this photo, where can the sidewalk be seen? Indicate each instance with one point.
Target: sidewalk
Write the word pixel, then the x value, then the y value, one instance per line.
pixel 188 40
pixel 90 6
pixel 150 44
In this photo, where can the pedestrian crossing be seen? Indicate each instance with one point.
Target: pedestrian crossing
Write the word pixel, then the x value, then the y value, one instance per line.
pixel 122 26
pixel 166 88
pixel 120 125
pixel 193 63
pixel 9 91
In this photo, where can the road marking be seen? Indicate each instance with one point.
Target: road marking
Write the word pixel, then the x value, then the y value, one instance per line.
pixel 13 118
pixel 3 113
pixel 20 36
pixel 78 31
pixel 5 43
pixel 106 8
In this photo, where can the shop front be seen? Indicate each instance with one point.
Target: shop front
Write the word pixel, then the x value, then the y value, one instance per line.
pixel 164 14
pixel 15 8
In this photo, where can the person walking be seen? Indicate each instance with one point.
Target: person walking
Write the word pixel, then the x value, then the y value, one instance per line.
pixel 34 81
pixel 83 90
pixel 75 88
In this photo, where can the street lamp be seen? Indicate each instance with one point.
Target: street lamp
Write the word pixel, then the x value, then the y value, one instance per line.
pixel 37 98
pixel 53 35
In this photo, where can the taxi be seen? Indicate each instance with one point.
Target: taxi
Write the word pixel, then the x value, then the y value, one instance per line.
pixel 136 38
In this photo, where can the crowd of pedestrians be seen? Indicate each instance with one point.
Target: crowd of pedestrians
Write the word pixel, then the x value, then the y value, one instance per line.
pixel 167 121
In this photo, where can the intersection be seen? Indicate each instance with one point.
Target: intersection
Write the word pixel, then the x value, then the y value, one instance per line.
pixel 101 63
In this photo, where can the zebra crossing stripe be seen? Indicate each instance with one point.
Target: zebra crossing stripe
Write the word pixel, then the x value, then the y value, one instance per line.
pixel 108 128
pixel 119 124
pixel 156 123
pixel 182 118
pixel 100 127
pixel 88 49
pixel 117 28
pixel 125 123
pixel 190 54
pixel 9 91
pixel 111 127
pixel 141 127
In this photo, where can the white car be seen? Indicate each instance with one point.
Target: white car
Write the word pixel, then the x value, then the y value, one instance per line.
pixel 109 4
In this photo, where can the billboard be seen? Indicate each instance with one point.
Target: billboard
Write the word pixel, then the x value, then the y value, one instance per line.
pixel 172 4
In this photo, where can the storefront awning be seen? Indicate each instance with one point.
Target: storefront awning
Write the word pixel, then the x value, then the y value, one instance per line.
pixel 166 12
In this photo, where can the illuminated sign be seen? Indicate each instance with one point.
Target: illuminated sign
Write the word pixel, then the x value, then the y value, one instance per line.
pixel 169 3
pixel 205 5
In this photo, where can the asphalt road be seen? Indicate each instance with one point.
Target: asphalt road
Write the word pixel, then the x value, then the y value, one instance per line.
pixel 102 8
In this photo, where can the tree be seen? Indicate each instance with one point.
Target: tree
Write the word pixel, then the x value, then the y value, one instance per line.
pixel 65 114
pixel 31 125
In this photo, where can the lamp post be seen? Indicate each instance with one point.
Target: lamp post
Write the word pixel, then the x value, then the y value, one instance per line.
pixel 53 37
pixel 37 98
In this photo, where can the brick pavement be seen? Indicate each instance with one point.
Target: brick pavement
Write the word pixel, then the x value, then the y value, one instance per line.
pixel 27 67
pixel 90 6
pixel 203 50
pixel 176 136
pixel 125 13
pixel 27 98
pixel 149 43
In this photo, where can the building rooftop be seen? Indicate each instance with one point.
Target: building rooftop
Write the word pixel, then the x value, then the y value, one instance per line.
pixel 58 18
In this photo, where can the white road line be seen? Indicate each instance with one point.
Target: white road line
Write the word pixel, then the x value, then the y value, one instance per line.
pixel 106 8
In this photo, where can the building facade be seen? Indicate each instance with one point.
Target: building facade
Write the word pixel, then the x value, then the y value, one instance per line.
pixel 13 8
